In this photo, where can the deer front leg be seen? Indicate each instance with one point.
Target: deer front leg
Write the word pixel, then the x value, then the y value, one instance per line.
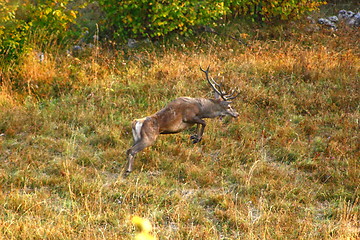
pixel 200 126
pixel 195 137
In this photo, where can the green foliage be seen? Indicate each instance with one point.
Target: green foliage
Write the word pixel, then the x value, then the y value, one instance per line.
pixel 150 18
pixel 22 21
pixel 12 30
pixel 269 10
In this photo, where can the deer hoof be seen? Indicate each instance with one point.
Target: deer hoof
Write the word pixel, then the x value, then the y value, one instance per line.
pixel 194 137
pixel 196 140
pixel 125 175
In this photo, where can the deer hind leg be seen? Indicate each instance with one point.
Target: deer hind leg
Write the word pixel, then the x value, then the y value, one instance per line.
pixel 144 135
pixel 137 147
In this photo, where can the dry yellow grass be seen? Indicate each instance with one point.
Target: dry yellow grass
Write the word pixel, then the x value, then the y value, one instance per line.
pixel 288 168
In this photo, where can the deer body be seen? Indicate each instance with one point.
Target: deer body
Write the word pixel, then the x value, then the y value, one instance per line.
pixel 180 114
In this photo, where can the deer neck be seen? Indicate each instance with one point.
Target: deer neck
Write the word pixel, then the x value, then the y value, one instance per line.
pixel 209 108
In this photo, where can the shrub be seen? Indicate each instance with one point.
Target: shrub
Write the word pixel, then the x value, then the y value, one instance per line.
pixel 21 21
pixel 151 18
pixel 269 10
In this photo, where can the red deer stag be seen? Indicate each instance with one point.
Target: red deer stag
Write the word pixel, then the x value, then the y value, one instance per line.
pixel 178 115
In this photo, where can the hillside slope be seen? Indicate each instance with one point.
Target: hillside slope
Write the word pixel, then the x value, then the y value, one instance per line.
pixel 287 168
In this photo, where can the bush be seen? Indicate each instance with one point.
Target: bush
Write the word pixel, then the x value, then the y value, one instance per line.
pixel 269 10
pixel 130 18
pixel 22 21
pixel 151 18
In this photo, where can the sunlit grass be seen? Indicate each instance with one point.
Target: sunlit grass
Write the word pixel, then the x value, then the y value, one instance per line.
pixel 287 168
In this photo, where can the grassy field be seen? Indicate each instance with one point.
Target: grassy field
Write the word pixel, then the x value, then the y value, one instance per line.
pixel 287 168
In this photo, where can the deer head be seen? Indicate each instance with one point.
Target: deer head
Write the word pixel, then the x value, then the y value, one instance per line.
pixel 222 96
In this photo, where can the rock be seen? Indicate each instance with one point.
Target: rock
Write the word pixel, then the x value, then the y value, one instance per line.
pixel 348 17
pixel 327 22
pixel 354 21
pixel 333 19
pixel 132 43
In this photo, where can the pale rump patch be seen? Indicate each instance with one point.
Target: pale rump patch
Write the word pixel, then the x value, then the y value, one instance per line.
pixel 136 129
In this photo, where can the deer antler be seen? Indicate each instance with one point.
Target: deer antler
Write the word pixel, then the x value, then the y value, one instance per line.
pixel 212 83
pixel 218 87
pixel 231 95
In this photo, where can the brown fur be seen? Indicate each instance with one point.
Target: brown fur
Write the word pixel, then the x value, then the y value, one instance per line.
pixel 178 115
